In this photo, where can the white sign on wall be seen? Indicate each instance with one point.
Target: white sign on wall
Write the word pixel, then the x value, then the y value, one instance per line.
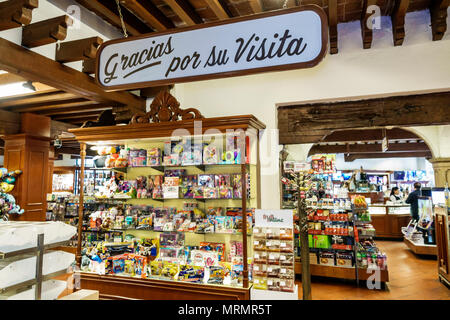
pixel 288 39
pixel 274 218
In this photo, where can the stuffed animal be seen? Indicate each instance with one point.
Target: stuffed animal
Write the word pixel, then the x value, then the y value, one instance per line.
pixel 7 179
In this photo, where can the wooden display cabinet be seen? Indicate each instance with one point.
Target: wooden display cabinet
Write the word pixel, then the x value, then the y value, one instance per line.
pixel 387 223
pixel 442 228
pixel 160 124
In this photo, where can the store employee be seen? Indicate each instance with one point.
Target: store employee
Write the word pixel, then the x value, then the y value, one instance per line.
pixel 413 200
pixel 395 197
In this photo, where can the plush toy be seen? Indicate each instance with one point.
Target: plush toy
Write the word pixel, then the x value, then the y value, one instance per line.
pixel 7 179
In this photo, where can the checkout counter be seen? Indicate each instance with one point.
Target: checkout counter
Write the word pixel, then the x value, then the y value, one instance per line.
pixel 388 220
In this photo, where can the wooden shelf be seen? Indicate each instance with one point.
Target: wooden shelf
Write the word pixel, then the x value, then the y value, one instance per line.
pixel 423 249
pixel 340 272
pixel 127 288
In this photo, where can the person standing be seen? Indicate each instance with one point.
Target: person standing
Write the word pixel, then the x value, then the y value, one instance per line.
pixel 413 200
pixel 395 196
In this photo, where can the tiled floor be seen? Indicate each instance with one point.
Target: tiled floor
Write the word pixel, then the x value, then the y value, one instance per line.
pixel 411 277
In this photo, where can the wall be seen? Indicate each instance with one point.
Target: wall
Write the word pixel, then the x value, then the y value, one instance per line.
pixel 420 64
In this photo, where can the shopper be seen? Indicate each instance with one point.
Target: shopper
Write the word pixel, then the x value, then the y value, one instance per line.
pixel 396 196
pixel 413 200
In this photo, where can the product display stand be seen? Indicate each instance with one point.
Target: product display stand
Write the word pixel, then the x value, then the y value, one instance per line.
pixel 39 251
pixel 152 130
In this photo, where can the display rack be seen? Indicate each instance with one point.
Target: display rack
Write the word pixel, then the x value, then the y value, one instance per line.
pixel 39 251
pixel 157 127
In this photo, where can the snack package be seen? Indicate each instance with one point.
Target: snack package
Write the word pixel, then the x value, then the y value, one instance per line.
pixel 286 285
pixel 259 244
pixel 272 233
pixel 286 260
pixel 273 245
pixel 286 246
pixel 259 233
pixel 286 234
pixel 287 273
pixel 273 258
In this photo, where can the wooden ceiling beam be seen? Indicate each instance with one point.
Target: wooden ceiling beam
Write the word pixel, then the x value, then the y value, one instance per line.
pixel 74 110
pixel 48 107
pixel 438 13
pixel 381 155
pixel 221 12
pixel 133 25
pixel 37 98
pixel 366 32
pixel 33 66
pixel 398 21
pixel 15 13
pixel 46 31
pixel 88 66
pixel 149 13
pixel 332 25
pixel 256 6
pixel 8 78
pixel 369 148
pixel 76 116
pixel 77 50
pixel 369 135
pixel 185 11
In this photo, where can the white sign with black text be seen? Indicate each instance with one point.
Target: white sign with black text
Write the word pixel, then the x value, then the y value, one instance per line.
pixel 289 39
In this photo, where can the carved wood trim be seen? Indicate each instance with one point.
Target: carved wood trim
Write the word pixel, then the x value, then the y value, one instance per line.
pixel 15 13
pixel 438 12
pixel 46 31
pixel 165 108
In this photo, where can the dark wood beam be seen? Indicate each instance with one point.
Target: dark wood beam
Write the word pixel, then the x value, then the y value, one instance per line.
pixel 304 123
pixel 398 21
pixel 77 50
pixel 219 9
pixel 369 135
pixel 149 13
pixel 76 116
pixel 108 11
pixel 8 78
pixel 49 106
pixel 89 66
pixel 78 109
pixel 186 11
pixel 256 6
pixel 15 13
pixel 36 99
pixel 366 32
pixel 46 31
pixel 369 148
pixel 74 151
pixel 33 66
pixel 438 13
pixel 332 25
pixel 381 155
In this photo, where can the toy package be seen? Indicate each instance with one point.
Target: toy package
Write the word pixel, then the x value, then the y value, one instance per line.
pixel 204 258
pixel 216 275
pixel 224 224
pixel 171 239
pixel 214 246
pixel 210 193
pixel 210 155
pixel 193 274
pixel 206 180
pixel 169 270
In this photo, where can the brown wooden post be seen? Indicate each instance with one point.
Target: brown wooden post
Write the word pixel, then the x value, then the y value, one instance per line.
pixel 304 245
pixel 244 207
pixel 81 202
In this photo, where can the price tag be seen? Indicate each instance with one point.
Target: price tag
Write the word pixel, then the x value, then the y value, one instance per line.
pixel 268 243
pixel 256 267
pixel 270 282
pixel 256 281
pixel 271 257
pixel 256 256
pixel 256 242
pixel 283 283
pixel 283 270
pixel 282 257
pixel 283 244
pixel 282 231
pixel 269 269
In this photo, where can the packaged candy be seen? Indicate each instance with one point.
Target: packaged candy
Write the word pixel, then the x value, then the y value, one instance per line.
pixel 273 284
pixel 272 233
pixel 286 246
pixel 287 273
pixel 286 234
pixel 259 233
pixel 273 245
pixel 273 258
pixel 260 270
pixel 286 259
pixel 260 257
pixel 273 271
pixel 260 283
pixel 259 244
pixel 286 285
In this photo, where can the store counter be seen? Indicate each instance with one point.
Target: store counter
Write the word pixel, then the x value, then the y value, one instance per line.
pixel 388 220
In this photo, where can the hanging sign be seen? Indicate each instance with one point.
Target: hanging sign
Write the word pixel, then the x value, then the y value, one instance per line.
pixel 274 218
pixel 288 39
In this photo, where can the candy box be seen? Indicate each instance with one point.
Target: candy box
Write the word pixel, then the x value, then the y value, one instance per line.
pixel 322 241
pixel 344 259
pixel 327 258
